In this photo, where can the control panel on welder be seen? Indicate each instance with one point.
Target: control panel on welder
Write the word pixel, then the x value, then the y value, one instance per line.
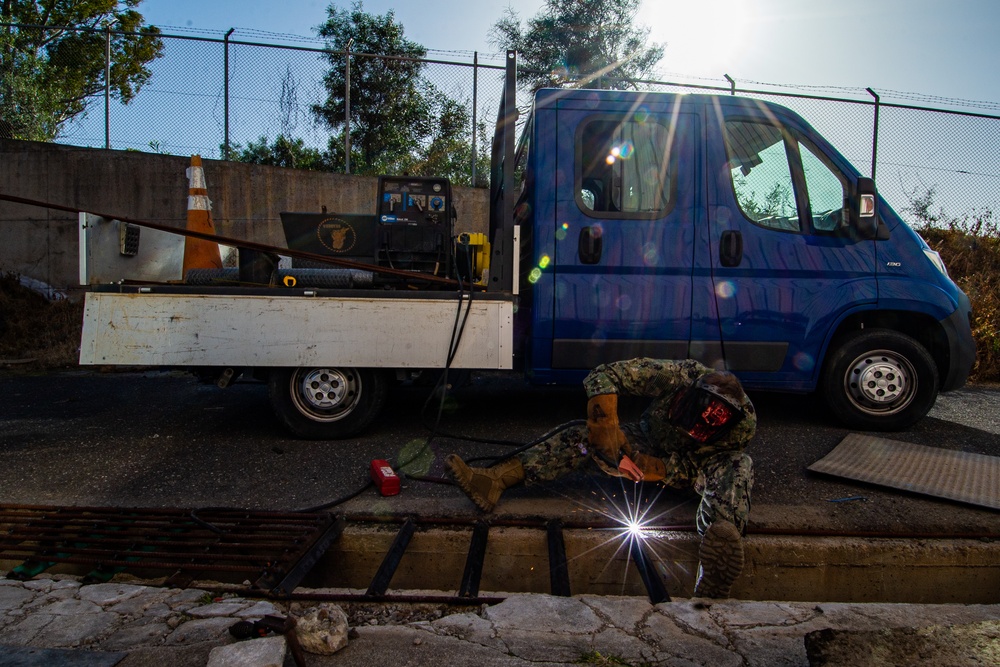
pixel 414 201
pixel 414 224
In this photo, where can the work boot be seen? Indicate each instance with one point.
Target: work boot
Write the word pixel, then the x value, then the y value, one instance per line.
pixel 484 485
pixel 721 557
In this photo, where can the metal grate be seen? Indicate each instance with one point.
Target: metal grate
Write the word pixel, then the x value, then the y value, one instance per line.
pixel 273 550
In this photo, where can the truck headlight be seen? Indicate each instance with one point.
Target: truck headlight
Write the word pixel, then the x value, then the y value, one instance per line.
pixel 936 260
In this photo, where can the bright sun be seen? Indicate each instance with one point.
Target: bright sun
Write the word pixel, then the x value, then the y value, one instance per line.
pixel 703 37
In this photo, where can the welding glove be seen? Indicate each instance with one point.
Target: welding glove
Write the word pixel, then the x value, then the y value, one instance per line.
pixel 637 467
pixel 603 431
pixel 653 468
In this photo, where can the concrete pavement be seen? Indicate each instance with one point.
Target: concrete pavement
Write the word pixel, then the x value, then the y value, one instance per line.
pixel 58 621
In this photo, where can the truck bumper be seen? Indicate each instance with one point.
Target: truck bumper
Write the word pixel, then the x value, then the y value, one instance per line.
pixel 961 345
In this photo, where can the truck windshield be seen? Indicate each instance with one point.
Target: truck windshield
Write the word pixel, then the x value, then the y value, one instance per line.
pixel 762 161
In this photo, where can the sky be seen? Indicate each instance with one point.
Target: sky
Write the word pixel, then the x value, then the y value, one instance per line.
pixel 933 48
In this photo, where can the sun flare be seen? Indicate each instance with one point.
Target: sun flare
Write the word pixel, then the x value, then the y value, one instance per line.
pixel 703 38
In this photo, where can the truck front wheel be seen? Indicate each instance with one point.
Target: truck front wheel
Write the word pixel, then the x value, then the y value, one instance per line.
pixel 327 403
pixel 880 380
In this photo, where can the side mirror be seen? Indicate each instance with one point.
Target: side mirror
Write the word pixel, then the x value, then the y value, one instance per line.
pixel 864 217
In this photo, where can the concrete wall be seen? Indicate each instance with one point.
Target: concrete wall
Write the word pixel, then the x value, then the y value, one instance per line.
pixel 246 200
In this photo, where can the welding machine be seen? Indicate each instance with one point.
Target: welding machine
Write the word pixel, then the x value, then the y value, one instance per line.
pixel 415 224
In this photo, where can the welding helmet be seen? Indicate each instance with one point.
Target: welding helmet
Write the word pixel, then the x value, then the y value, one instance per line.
pixel 704 411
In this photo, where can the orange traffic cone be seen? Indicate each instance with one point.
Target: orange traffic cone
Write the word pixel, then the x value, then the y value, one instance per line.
pixel 199 254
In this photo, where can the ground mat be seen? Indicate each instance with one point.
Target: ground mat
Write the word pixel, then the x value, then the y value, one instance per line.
pixel 962 476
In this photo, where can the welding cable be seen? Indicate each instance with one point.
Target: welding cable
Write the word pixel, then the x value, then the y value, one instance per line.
pixel 441 386
pixel 528 445
pixel 521 447
pixel 457 330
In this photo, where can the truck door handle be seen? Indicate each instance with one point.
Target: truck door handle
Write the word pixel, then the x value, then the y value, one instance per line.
pixel 591 245
pixel 731 248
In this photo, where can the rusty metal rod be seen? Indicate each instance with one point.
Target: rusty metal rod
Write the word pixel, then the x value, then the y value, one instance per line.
pixel 240 243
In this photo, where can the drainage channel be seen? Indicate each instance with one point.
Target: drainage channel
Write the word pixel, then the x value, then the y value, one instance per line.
pixel 271 550
pixel 513 555
pixel 455 561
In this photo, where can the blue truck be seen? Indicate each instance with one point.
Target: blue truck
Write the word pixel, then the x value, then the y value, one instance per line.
pixel 622 224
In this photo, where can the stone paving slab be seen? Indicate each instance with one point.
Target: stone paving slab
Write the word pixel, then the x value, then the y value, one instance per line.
pixel 146 626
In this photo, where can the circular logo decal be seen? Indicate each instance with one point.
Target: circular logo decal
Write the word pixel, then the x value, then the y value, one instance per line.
pixel 336 235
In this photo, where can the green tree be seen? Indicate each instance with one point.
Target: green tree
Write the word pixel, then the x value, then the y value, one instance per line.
pixel 284 151
pixel 390 109
pixel 586 42
pixel 50 73
pixel 447 151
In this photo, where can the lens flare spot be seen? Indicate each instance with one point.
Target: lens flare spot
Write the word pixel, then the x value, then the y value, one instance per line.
pixel 626 150
pixel 544 262
pixel 561 233
pixel 535 275
pixel 804 362
pixel 624 302
pixel 725 289
pixel 650 254
pixel 610 159
pixel 641 114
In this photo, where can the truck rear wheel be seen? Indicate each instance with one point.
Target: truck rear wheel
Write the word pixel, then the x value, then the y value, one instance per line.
pixel 880 380
pixel 327 403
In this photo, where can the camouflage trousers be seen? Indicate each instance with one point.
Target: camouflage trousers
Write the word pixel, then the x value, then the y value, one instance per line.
pixel 723 479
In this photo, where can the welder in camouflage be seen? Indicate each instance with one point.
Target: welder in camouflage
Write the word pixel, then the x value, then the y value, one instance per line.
pixel 691 436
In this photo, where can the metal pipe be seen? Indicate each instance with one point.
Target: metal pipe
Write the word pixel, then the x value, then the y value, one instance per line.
pixel 107 87
pixel 675 528
pixel 647 572
pixel 241 243
pixel 732 84
pixel 875 132
pixel 469 588
pixel 558 566
pixel 226 87
pixel 347 107
pixel 380 582
pixel 475 111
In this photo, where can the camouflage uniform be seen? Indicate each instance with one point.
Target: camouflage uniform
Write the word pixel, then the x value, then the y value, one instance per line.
pixel 719 471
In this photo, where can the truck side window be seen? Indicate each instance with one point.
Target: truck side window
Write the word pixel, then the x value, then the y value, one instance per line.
pixel 762 175
pixel 826 192
pixel 623 168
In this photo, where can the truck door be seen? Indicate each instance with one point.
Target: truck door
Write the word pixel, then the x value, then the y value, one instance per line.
pixel 625 220
pixel 785 268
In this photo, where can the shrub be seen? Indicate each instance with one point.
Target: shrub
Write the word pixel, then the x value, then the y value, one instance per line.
pixel 35 332
pixel 970 248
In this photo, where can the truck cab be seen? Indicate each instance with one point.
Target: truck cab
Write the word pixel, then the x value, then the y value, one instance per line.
pixel 726 230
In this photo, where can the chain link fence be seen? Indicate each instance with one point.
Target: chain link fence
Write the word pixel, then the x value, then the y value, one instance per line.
pixel 224 98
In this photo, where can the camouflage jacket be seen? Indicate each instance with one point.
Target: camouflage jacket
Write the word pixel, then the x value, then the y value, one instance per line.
pixel 659 379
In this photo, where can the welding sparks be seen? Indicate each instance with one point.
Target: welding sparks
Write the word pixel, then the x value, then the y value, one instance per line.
pixel 637 536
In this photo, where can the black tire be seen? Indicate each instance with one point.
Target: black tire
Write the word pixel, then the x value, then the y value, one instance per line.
pixel 327 403
pixel 880 380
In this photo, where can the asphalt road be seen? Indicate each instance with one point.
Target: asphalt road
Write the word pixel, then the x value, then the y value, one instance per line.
pixel 161 439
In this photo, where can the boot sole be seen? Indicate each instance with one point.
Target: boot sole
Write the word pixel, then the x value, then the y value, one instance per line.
pixel 457 469
pixel 722 559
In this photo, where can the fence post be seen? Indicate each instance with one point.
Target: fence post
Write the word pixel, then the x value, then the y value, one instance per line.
pixel 875 132
pixel 107 86
pixel 226 94
pixel 732 84
pixel 347 107
pixel 475 107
